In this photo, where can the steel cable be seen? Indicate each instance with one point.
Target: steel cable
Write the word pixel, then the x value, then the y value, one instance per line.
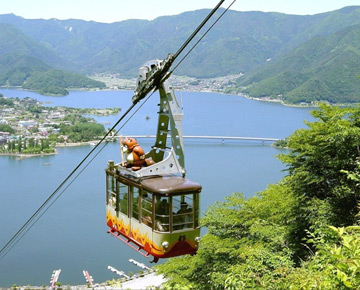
pixel 46 204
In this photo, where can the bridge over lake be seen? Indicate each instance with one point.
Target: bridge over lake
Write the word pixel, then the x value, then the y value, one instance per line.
pixel 222 138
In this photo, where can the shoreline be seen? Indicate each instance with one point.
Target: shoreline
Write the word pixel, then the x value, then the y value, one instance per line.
pixel 75 144
pixel 21 156
pixel 126 85
pixel 181 83
pixel 208 90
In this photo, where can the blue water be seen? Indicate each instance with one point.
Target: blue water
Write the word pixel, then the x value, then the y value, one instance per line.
pixel 71 235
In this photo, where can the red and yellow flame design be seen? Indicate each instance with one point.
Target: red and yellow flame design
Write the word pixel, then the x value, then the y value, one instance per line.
pixel 182 246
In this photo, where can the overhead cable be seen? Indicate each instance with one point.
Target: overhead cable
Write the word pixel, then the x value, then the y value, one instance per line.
pixel 46 204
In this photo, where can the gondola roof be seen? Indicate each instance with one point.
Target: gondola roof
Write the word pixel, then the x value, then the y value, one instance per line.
pixel 168 185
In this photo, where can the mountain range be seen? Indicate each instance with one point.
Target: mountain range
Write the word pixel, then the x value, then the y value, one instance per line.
pixel 292 57
pixel 325 68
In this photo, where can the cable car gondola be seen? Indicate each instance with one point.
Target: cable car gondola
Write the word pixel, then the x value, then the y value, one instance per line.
pixel 150 205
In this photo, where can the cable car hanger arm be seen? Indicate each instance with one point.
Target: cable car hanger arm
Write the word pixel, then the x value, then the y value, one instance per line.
pixel 153 82
pixel 160 72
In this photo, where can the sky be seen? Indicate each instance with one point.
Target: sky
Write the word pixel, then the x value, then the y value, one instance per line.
pixel 109 11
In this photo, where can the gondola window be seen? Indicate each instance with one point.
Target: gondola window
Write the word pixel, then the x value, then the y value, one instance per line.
pixel 135 202
pixel 146 208
pixel 162 220
pixel 183 212
pixel 123 198
pixel 111 192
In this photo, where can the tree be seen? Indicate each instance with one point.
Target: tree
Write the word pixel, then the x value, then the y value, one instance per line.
pixel 6 128
pixel 319 155
pixel 11 146
pixel 245 246
pixel 83 130
pixel 19 145
pixel 297 234
pixel 31 142
pixel 335 264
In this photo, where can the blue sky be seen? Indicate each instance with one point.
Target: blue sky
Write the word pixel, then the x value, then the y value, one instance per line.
pixel 118 10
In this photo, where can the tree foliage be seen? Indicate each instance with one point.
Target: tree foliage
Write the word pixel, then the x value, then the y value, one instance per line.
pixel 300 233
pixel 28 146
pixel 319 155
pixel 56 81
pixel 82 132
pixel 322 69
pixel 283 54
pixel 6 128
pixel 245 246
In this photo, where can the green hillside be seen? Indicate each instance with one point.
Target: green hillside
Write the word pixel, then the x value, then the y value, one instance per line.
pixel 56 82
pixel 293 57
pixel 15 69
pixel 14 41
pixel 25 63
pixel 326 68
pixel 240 42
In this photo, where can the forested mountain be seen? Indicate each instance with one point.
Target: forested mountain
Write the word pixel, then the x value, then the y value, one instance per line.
pixel 14 41
pixel 29 64
pixel 325 68
pixel 16 68
pixel 239 43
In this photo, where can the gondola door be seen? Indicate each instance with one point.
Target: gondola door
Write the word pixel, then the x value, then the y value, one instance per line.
pixel 134 208
pixel 140 217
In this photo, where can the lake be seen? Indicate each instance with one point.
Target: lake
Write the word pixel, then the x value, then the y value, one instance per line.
pixel 72 236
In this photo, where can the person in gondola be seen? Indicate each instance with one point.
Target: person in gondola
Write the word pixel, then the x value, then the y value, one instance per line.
pixel 162 214
pixel 182 216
